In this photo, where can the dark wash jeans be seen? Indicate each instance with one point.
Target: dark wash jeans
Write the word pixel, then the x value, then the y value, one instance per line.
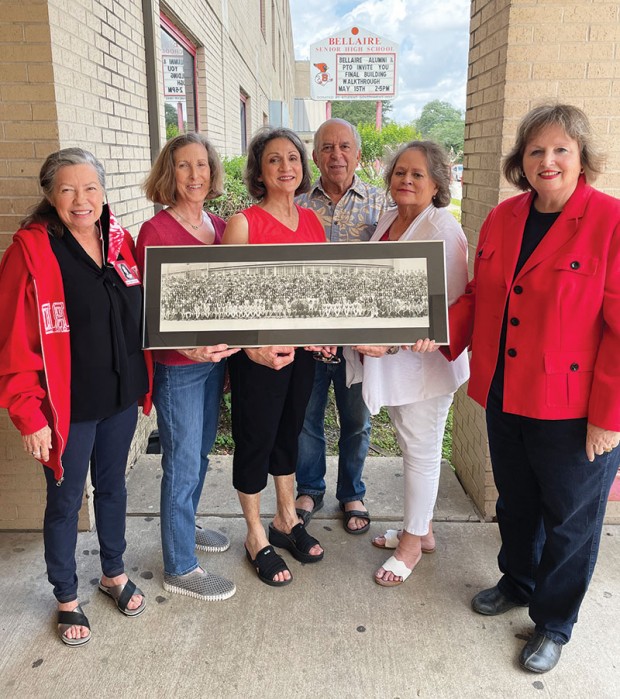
pixel 550 513
pixel 352 444
pixel 104 445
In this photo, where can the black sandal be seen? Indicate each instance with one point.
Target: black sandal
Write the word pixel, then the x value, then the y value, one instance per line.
pixel 66 620
pixel 306 515
pixel 298 543
pixel 267 564
pixel 348 516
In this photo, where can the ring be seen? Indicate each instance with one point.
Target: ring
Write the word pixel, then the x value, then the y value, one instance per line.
pixel 36 453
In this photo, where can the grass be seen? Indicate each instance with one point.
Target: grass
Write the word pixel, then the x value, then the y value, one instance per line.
pixel 382 437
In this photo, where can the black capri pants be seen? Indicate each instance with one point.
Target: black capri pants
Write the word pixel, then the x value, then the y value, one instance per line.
pixel 268 410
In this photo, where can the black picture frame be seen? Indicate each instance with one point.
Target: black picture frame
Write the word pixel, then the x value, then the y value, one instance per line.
pixel 194 279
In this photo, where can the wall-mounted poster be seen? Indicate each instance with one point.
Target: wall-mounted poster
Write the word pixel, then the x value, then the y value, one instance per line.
pixel 386 293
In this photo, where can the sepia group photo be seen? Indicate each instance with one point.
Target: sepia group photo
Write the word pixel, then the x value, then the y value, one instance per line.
pixel 295 295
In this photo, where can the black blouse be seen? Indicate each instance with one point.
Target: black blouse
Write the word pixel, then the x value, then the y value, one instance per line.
pixel 108 372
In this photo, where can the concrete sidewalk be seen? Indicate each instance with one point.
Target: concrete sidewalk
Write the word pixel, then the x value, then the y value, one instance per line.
pixel 332 633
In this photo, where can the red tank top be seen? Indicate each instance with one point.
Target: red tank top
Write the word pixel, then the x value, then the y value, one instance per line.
pixel 265 228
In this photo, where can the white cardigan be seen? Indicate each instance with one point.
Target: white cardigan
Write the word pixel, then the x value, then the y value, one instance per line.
pixel 409 377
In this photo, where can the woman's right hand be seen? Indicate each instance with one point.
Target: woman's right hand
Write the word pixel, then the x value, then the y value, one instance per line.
pixel 39 443
pixel 275 356
pixel 211 353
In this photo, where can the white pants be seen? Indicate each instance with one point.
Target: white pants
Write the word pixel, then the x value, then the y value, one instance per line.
pixel 419 430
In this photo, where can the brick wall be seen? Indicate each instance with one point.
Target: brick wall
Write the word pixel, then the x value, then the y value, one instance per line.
pixel 73 72
pixel 523 52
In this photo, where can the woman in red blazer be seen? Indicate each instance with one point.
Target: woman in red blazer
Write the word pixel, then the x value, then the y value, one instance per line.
pixel 542 317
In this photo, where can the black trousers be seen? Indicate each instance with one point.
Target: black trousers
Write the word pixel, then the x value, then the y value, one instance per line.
pixel 268 410
pixel 550 513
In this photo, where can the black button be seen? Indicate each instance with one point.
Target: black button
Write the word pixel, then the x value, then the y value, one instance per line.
pixel 514 321
pixel 479 253
pixel 518 289
pixel 512 352
pixel 574 366
pixel 575 265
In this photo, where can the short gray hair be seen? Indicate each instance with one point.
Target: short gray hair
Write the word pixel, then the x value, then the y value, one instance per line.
pixel 354 131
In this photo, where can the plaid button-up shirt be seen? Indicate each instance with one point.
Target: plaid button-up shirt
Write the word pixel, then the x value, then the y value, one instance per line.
pixel 354 217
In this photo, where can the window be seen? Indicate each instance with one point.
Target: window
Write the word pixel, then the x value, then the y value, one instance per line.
pixel 263 20
pixel 243 119
pixel 178 57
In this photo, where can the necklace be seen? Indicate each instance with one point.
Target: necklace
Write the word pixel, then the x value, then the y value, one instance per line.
pixel 189 223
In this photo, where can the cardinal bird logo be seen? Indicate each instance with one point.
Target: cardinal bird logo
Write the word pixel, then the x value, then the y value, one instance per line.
pixel 322 77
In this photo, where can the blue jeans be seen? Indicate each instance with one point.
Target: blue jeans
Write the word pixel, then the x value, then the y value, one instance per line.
pixel 550 513
pixel 187 399
pixel 354 435
pixel 103 445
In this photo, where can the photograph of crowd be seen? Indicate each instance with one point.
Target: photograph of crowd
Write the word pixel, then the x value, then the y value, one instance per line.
pixel 293 295
pixel 299 295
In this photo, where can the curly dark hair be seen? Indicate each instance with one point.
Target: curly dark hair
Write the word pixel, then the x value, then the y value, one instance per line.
pixel 252 173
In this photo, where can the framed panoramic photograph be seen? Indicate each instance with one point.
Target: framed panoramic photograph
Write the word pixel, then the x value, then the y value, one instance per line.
pixel 390 293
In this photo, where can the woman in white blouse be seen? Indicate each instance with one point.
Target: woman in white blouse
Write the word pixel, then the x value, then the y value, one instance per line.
pixel 416 386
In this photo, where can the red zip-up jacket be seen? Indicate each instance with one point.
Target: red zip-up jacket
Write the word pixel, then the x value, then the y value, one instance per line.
pixel 35 352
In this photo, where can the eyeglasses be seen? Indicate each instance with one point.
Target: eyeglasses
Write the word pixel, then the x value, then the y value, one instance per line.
pixel 326 358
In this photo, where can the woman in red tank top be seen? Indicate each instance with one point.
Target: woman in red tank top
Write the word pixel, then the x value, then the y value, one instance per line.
pixel 271 386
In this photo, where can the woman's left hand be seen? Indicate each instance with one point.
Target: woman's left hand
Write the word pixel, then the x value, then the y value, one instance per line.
pixel 39 443
pixel 425 345
pixel 600 441
pixel 211 353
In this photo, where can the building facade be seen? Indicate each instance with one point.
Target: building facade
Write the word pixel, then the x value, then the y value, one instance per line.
pixel 116 78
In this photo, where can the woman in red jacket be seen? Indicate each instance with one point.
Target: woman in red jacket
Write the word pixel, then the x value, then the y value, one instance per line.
pixel 72 370
pixel 542 315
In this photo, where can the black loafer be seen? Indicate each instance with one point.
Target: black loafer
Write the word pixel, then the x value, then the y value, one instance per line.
pixel 492 602
pixel 540 654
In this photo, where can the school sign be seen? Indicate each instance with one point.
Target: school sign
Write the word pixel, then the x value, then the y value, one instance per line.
pixel 353 64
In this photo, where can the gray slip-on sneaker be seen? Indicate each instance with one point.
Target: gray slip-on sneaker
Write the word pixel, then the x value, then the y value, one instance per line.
pixel 200 585
pixel 211 541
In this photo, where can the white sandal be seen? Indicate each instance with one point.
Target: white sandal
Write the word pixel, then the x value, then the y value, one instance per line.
pixel 391 539
pixel 393 565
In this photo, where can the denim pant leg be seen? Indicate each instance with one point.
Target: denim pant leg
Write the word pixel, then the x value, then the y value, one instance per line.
pixel 311 464
pixel 214 385
pixel 60 523
pixel 180 397
pixel 108 466
pixel 106 442
pixel 354 436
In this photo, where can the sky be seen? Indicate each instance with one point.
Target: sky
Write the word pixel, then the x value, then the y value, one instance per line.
pixel 433 38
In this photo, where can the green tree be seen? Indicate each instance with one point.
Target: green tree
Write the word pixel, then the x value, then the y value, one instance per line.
pixel 360 111
pixel 378 145
pixel 443 123
pixel 172 125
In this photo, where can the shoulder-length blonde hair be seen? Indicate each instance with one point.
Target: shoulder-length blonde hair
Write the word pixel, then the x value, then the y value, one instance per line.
pixel 569 118
pixel 160 185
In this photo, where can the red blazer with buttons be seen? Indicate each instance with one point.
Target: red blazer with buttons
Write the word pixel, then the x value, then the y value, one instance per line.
pixel 563 332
